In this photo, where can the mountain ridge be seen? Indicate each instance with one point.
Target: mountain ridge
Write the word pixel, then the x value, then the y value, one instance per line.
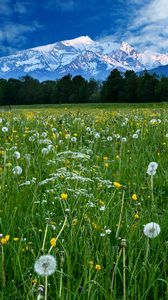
pixel 79 56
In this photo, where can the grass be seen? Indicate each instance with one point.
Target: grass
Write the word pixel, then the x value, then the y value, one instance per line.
pixel 67 191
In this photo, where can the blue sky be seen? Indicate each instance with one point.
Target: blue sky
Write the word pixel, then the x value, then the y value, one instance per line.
pixel 29 23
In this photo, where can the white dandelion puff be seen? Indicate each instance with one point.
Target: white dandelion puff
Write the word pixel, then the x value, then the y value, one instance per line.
pixel 151 230
pixel 45 151
pixel 152 167
pixel 135 136
pixel 45 265
pixel 97 135
pixel 73 139
pixel 109 138
pixel 5 129
pixel 17 170
pixel 16 154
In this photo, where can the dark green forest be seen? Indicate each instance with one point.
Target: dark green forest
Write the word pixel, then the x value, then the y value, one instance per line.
pixel 127 87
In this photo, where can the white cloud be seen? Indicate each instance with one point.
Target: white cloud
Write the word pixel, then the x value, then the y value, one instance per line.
pixel 149 29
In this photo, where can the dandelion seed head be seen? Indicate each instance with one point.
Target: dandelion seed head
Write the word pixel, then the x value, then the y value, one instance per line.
pixel 152 167
pixel 16 154
pixel 17 170
pixel 151 230
pixel 5 129
pixel 45 265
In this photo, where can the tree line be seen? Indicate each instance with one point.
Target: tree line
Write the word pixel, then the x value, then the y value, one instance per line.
pixel 128 87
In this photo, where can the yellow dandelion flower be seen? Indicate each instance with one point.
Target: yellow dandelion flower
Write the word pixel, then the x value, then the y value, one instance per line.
pixel 16 239
pixel 74 222
pixel 98 267
pixel 106 165
pixel 3 241
pixel 53 242
pixel 95 226
pixel 117 184
pixel 105 158
pixel 134 197
pixel 101 202
pixel 7 237
pixel 64 196
pixel 136 216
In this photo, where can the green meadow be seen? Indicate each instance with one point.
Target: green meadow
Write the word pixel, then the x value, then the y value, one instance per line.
pixel 76 184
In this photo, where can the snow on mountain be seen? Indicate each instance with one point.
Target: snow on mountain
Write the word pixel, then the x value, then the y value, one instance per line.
pixel 82 56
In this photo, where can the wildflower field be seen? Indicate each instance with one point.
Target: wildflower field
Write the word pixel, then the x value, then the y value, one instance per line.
pixel 84 203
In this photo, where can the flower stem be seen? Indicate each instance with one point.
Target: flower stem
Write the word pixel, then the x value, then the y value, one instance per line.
pixel 124 271
pixel 3 268
pixel 44 240
pixel 46 285
pixel 120 217
pixel 62 228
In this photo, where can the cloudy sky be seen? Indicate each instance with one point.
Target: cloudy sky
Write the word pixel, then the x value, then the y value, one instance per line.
pixel 29 23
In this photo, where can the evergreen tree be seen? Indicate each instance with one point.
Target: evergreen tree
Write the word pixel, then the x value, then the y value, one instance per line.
pixel 64 89
pixel 113 88
pixel 130 87
pixel 79 91
pixel 146 87
pixel 161 91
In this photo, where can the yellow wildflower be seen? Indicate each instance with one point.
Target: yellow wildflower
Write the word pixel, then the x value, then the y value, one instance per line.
pixel 64 196
pixel 105 158
pixel 53 242
pixel 7 237
pixel 74 222
pixel 4 240
pixel 136 216
pixel 101 202
pixel 15 239
pixel 117 184
pixel 134 197
pixel 98 267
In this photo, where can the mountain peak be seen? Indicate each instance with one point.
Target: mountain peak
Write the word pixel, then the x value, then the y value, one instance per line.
pixel 127 48
pixel 85 40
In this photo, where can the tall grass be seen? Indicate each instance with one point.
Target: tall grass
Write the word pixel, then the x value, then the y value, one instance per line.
pixel 78 191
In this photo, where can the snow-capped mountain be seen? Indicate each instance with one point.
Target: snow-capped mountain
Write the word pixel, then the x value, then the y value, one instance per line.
pixel 78 56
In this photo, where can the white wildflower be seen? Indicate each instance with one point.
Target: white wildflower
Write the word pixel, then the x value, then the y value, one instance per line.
pixel 45 265
pixel 88 129
pixel 152 167
pixel 31 139
pixel 5 129
pixel 107 231
pixel 44 134
pixel 73 139
pixel 17 170
pixel 16 154
pixel 97 135
pixel 151 230
pixel 135 136
pixel 109 138
pixel 45 151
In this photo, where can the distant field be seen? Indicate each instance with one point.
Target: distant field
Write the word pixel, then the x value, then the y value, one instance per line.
pixel 75 182
pixel 105 106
